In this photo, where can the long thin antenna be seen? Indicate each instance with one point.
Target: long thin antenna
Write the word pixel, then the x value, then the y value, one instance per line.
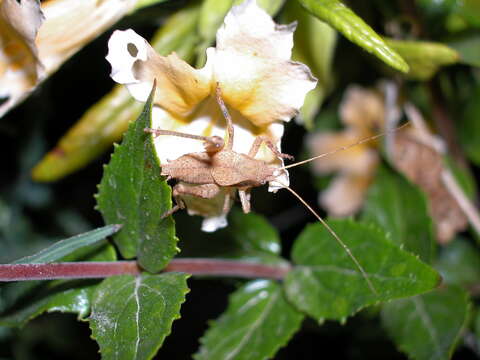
pixel 334 234
pixel 343 148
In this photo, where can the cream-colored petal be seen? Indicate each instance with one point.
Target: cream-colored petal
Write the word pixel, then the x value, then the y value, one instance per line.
pixel 134 63
pixel 20 67
pixel 68 26
pixel 345 195
pixel 252 65
pixel 362 109
pixel 249 30
pixel 212 224
pixel 264 90
pixel 358 159
pixel 71 24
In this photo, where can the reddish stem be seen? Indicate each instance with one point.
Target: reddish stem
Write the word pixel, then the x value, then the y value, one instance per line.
pixel 84 270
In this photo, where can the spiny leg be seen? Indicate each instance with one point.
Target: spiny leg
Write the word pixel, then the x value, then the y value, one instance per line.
pixel 227 204
pixel 226 115
pixel 245 200
pixel 212 143
pixel 178 206
pixel 262 139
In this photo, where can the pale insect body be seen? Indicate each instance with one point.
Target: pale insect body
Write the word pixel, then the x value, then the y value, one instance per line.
pixel 205 174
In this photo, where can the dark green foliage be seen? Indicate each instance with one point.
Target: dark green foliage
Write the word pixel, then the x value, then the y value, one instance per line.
pixel 134 194
pixel 131 316
pixel 425 50
pixel 326 284
pixel 257 322
pixel 396 205
pixel 428 326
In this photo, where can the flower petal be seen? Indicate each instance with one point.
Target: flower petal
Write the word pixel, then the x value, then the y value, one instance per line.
pixel 71 24
pixel 362 109
pixel 359 159
pixel 345 194
pixel 252 65
pixel 136 64
pixel 20 67
pixel 249 30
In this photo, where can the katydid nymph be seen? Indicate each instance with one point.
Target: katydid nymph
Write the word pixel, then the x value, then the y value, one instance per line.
pixel 205 174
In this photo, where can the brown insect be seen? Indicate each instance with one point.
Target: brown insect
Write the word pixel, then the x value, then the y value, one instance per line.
pixel 205 174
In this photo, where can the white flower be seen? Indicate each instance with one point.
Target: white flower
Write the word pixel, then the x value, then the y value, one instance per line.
pixel 259 83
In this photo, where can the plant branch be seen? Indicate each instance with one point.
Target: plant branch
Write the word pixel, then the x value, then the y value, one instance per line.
pixel 194 266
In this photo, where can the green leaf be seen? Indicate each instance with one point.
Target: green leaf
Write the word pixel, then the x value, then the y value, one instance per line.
pixel 400 208
pixel 469 48
pixel 469 126
pixel 326 284
pixel 459 263
pixel 133 193
pixel 341 18
pixel 65 247
pixel 253 233
pixel 57 296
pixel 144 3
pixel 428 326
pixel 21 302
pixel 131 316
pixel 424 58
pixel 257 323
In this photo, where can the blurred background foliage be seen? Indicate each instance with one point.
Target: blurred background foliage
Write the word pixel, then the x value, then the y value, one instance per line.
pixel 55 143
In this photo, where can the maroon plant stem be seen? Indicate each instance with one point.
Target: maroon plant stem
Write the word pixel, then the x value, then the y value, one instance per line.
pixel 84 270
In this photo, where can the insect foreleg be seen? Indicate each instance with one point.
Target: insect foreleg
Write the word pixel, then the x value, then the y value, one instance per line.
pixel 245 200
pixel 212 143
pixel 262 139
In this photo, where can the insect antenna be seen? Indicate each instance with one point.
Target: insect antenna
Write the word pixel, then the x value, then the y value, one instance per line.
pixel 343 148
pixel 335 235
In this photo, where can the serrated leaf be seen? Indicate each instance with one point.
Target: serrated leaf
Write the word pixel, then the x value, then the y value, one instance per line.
pixel 133 193
pixel 21 302
pixel 253 233
pixel 459 263
pixel 400 208
pixel 65 247
pixel 131 316
pixel 424 58
pixel 257 322
pixel 428 326
pixel 326 284
pixel 341 18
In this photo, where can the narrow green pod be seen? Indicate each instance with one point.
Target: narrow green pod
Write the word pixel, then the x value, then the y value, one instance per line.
pixel 424 58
